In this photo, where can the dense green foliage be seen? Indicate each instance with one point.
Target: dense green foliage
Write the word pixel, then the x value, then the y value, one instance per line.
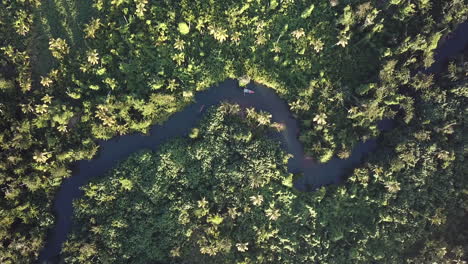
pixel 26 181
pixel 194 200
pixel 224 196
pixel 72 72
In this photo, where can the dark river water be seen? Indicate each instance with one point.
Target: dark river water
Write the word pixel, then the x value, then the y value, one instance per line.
pixel 315 175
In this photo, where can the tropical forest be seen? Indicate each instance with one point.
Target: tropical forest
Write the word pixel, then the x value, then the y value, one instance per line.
pixel 234 131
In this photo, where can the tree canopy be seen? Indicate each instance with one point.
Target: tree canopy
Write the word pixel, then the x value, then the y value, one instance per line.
pixel 75 72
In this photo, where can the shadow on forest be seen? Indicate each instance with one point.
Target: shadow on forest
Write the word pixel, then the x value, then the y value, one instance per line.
pixel 58 19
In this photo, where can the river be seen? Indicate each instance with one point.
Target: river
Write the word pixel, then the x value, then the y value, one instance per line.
pixel 180 124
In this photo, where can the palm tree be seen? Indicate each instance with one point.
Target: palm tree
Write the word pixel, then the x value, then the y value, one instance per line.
pixel 218 33
pixel 298 33
pixel 272 213
pixel 256 200
pixel 93 57
pixel 232 212
pixel 59 48
pixel 46 81
pixel 92 27
pixel 392 186
pixel 320 119
pixel 42 157
pixel 242 247
pixel 41 109
pixel 141 8
pixel 279 126
pixel 263 118
pixel 23 22
pixel 172 86
pixel 317 44
pixel 179 58
pixel 343 40
pixel 47 99
pixel 179 44
pixel 236 37
pixel 203 203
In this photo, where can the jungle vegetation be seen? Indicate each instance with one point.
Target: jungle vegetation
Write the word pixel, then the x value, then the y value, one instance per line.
pixel 223 195
pixel 73 72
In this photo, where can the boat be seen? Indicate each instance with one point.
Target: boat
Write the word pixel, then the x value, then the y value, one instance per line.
pixel 248 91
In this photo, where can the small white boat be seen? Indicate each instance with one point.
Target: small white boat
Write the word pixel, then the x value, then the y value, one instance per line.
pixel 248 91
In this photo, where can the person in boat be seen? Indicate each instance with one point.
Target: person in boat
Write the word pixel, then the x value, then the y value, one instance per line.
pixel 248 91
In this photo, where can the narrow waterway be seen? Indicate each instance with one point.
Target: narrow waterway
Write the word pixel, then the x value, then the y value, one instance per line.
pixel 180 123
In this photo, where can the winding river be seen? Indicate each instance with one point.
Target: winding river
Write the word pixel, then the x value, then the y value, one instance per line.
pixel 180 123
